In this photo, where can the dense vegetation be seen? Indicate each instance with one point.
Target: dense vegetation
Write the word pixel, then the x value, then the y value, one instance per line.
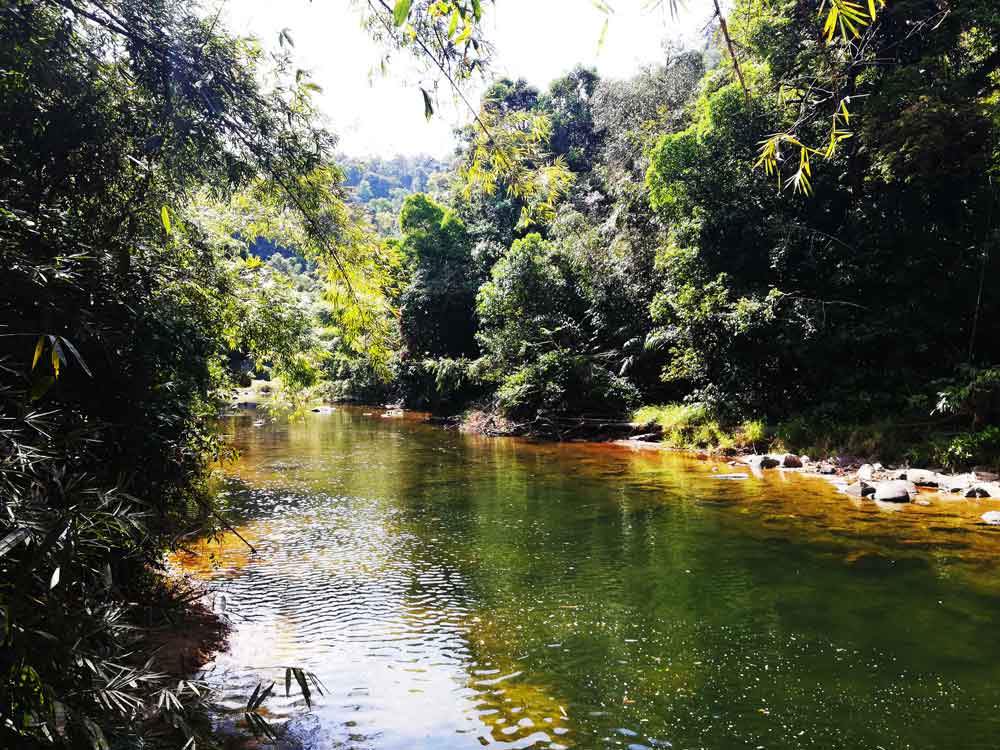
pixel 140 157
pixel 173 221
pixel 839 293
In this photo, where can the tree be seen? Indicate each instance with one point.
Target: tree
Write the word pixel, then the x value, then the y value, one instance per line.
pixel 436 308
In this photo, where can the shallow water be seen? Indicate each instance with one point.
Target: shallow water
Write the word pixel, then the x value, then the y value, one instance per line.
pixel 453 591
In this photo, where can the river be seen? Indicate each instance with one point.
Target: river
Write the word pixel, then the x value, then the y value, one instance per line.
pixel 455 592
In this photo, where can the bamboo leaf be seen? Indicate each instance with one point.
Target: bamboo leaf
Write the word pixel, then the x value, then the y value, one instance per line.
pixel 54 580
pixel 401 11
pixel 56 357
pixel 66 342
pixel 165 218
pixel 39 347
pixel 428 104
pixel 300 678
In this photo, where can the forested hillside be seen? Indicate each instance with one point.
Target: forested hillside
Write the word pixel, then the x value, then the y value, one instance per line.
pixel 380 185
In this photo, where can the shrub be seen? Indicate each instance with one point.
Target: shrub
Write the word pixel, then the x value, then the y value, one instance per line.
pixel 563 383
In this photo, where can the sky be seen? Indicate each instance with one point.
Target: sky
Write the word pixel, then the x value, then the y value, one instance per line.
pixel 538 40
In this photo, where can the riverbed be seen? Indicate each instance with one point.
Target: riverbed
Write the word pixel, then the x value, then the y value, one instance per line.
pixel 453 592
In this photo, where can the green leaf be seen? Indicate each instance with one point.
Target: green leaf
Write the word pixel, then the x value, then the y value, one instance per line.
pixel 401 11
pixel 428 104
pixel 604 34
pixel 165 218
pixel 477 9
pixel 453 24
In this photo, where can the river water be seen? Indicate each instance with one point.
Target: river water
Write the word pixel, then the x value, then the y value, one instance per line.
pixel 456 592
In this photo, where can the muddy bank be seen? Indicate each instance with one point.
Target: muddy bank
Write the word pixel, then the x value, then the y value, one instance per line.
pixel 190 635
pixel 565 429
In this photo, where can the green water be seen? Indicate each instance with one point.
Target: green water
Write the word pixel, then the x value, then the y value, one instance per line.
pixel 458 592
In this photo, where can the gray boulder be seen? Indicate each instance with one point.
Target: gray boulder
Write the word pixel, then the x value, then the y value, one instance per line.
pixel 761 462
pixel 983 489
pixel 895 491
pixel 860 489
pixel 920 477
pixel 866 473
pixel 955 482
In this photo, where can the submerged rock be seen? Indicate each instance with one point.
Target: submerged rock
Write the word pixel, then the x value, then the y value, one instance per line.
pixel 895 491
pixel 991 517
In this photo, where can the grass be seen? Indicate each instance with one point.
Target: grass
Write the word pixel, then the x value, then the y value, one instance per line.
pixel 917 443
pixel 695 426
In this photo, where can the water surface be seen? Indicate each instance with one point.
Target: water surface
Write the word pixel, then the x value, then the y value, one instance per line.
pixel 458 592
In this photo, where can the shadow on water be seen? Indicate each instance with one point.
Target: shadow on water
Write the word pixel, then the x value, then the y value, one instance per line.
pixel 454 591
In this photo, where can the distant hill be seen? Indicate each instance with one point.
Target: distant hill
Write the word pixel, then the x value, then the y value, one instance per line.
pixel 380 185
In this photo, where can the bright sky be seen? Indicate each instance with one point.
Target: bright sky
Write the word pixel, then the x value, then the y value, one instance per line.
pixel 535 39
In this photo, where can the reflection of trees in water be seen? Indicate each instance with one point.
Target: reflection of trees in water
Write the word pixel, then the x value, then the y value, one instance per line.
pixel 629 595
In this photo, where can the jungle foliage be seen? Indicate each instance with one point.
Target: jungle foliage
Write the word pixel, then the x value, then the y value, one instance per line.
pixel 791 235
pixel 140 158
pixel 799 221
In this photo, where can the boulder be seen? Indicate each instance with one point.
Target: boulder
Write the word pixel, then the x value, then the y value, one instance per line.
pixel 860 489
pixel 920 477
pixel 866 473
pixel 991 517
pixel 788 461
pixel 955 482
pixel 983 489
pixel 895 491
pixel 826 468
pixel 760 462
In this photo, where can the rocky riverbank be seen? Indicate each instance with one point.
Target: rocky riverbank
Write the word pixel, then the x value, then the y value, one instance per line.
pixel 867 481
